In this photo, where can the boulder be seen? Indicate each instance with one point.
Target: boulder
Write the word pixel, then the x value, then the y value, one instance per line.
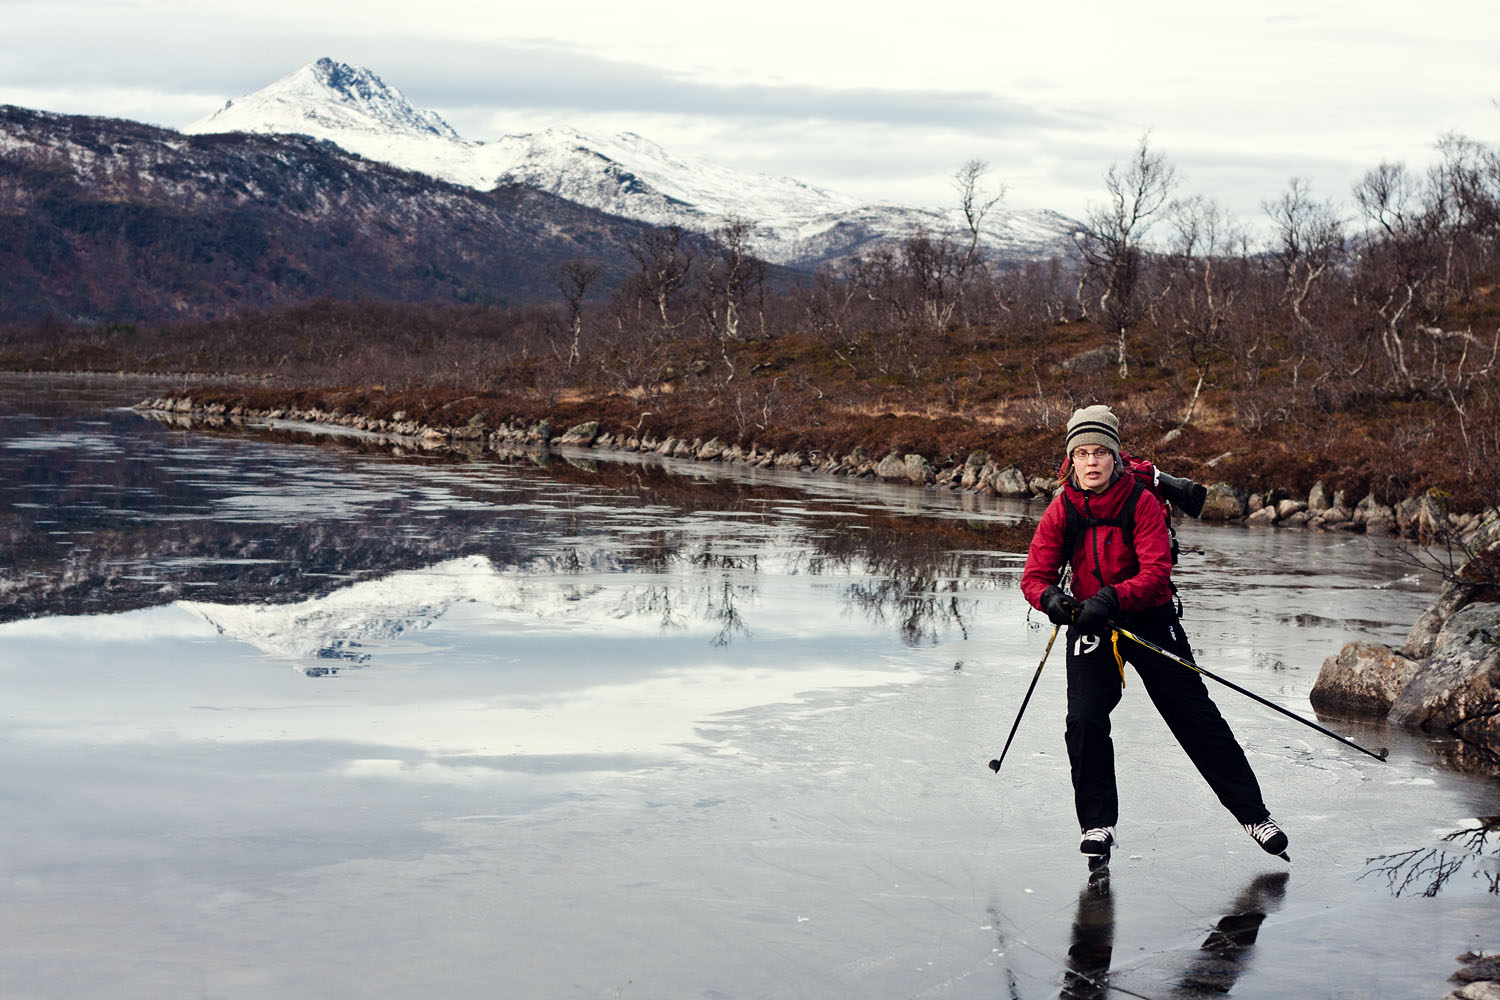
pixel 1432 515
pixel 1011 482
pixel 1369 509
pixel 1286 508
pixel 1264 516
pixel 1483 989
pixel 1092 362
pixel 918 469
pixel 1458 688
pixel 1224 503
pixel 893 466
pixel 1317 500
pixel 712 449
pixel 1337 514
pixel 1363 678
pixel 973 467
pixel 1407 512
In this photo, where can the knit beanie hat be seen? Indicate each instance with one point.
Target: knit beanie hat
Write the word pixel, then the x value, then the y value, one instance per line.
pixel 1094 425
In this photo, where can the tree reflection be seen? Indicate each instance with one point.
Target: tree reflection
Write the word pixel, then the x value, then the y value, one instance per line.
pixel 1428 869
pixel 703 542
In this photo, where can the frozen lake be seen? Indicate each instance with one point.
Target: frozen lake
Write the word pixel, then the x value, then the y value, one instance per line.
pixel 308 720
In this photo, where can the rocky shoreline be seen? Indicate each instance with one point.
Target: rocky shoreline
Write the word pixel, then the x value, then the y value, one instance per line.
pixel 1425 517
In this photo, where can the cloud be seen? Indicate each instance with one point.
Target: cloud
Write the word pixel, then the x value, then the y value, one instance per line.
pixel 438 74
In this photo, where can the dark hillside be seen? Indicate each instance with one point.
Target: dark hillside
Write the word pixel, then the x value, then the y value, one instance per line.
pixel 103 220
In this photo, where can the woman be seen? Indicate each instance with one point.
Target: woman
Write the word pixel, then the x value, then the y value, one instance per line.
pixel 1115 539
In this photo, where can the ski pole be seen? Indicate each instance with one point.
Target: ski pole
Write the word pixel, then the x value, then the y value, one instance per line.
pixel 995 764
pixel 1381 755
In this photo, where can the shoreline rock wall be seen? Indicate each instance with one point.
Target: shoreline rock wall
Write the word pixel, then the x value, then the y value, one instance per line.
pixel 1423 517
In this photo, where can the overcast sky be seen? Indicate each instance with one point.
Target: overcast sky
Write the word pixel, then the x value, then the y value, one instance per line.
pixel 844 95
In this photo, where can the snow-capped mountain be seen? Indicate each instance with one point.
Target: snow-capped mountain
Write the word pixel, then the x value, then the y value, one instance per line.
pixel 626 175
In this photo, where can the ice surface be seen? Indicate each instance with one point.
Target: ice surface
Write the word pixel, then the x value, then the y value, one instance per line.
pixel 554 772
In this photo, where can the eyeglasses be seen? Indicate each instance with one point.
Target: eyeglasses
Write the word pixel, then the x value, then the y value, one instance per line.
pixel 1092 455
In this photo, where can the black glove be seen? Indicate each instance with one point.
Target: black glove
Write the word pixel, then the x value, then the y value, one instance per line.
pixel 1096 611
pixel 1060 608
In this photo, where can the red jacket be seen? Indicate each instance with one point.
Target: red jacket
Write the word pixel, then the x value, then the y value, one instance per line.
pixel 1140 573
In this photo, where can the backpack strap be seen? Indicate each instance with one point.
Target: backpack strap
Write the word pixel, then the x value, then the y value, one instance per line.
pixel 1075 523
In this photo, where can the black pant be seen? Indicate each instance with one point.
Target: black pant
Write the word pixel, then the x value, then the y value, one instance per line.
pixel 1094 689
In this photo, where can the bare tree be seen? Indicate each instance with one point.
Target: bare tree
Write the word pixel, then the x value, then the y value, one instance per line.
pixel 933 271
pixel 974 205
pixel 1206 270
pixel 1307 239
pixel 730 277
pixel 1111 240
pixel 1399 258
pixel 665 260
pixel 574 281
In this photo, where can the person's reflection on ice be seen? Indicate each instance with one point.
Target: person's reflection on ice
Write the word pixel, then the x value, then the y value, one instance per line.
pixel 1093 944
pixel 1225 953
pixel 1213 969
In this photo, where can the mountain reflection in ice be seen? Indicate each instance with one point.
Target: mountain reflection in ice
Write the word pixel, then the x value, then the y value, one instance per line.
pixel 349 624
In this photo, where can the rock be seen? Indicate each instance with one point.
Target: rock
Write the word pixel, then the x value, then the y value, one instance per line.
pixel 893 466
pixel 1363 678
pixel 1296 519
pixel 1255 504
pixel 973 467
pixel 1094 362
pixel 1407 512
pixel 1043 486
pixel 667 447
pixel 540 431
pixel 1336 515
pixel 1011 482
pixel 1264 516
pixel 790 460
pixel 1432 516
pixel 1224 503
pixel 1477 968
pixel 918 470
pixel 1317 500
pixel 1458 689
pixel 1485 989
pixel 1286 508
pixel 1369 509
pixel 712 448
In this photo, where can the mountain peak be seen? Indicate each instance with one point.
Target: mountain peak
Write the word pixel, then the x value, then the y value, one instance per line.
pixel 624 174
pixel 325 98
